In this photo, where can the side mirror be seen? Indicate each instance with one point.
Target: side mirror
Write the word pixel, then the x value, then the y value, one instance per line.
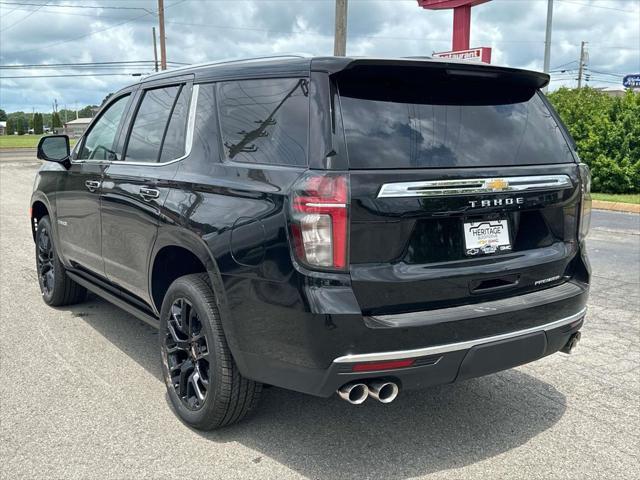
pixel 54 148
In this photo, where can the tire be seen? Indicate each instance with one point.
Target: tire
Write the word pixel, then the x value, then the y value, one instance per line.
pixel 55 285
pixel 202 379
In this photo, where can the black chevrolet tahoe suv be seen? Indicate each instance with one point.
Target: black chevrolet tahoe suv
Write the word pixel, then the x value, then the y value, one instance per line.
pixel 322 224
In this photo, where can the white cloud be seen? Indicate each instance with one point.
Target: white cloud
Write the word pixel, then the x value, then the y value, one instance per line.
pixel 200 30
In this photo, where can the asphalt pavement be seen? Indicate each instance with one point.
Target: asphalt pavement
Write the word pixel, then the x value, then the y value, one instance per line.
pixel 81 394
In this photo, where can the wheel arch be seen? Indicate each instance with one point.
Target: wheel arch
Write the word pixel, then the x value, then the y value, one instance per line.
pixel 190 254
pixel 39 208
pixel 194 246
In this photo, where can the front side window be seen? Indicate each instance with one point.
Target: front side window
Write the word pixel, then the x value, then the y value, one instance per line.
pixel 99 143
pixel 150 126
pixel 265 121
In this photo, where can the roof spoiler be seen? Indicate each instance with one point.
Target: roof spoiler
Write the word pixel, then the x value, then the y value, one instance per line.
pixel 526 78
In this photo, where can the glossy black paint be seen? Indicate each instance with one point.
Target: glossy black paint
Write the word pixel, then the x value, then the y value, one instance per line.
pixel 285 324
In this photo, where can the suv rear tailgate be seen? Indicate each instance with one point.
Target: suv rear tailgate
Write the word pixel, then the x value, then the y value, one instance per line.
pixel 433 153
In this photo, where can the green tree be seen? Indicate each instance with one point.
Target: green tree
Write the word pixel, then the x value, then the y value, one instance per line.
pixel 607 134
pixel 11 126
pixel 3 115
pixel 87 112
pixel 55 120
pixel 21 125
pixel 37 124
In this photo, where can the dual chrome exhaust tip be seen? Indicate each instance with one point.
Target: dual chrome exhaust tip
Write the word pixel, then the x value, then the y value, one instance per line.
pixel 356 393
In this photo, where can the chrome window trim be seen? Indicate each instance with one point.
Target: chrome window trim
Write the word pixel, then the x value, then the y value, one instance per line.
pixel 454 347
pixel 434 188
pixel 191 122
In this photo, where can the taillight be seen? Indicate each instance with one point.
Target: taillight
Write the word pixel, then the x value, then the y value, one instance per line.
pixel 319 220
pixel 585 202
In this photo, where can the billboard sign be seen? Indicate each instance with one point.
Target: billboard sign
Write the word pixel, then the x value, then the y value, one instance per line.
pixel 631 81
pixel 480 54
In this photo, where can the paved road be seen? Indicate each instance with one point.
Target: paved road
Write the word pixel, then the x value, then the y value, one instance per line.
pixel 12 155
pixel 81 394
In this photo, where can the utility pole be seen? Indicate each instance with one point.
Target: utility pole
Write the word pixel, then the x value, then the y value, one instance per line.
pixel 582 63
pixel 340 38
pixel 155 49
pixel 547 38
pixel 163 49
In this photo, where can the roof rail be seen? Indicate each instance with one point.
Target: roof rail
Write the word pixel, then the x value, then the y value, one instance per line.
pixel 229 60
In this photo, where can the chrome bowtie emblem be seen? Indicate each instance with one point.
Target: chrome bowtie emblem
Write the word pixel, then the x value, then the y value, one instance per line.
pixel 497 184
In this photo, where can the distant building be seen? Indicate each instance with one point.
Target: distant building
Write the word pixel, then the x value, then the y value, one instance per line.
pixel 75 128
pixel 612 91
pixel 3 128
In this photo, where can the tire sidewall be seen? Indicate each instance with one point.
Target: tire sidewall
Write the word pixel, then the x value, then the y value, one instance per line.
pixel 183 288
pixel 44 224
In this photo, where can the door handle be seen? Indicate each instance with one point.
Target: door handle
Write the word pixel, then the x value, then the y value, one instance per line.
pixel 149 193
pixel 92 185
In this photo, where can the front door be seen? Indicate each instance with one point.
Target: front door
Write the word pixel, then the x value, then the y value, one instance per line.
pixel 78 198
pixel 134 190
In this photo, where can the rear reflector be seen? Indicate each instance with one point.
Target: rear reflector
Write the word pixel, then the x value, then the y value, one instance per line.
pixel 386 365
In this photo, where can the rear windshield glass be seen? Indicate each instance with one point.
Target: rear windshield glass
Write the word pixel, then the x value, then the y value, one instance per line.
pixel 414 120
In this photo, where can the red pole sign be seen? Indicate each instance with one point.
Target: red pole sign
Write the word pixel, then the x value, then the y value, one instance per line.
pixel 461 18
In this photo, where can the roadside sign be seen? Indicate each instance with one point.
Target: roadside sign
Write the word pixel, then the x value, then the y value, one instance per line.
pixel 479 54
pixel 631 81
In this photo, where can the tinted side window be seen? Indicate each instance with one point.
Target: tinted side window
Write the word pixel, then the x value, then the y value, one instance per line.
pixel 206 131
pixel 174 141
pixel 265 121
pixel 149 125
pixel 99 142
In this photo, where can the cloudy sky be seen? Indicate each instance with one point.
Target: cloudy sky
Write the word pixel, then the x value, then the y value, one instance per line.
pixel 74 31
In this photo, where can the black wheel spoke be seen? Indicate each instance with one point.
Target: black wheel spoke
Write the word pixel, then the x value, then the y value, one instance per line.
pixel 177 336
pixel 186 369
pixel 44 261
pixel 187 354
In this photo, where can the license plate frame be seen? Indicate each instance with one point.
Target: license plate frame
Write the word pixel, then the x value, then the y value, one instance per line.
pixel 486 237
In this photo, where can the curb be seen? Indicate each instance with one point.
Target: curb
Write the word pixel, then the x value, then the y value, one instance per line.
pixel 616 206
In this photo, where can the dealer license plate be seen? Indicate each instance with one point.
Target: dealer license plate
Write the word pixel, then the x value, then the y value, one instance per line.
pixel 486 236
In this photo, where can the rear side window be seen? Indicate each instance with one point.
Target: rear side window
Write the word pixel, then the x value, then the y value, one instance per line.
pixel 174 141
pixel 153 120
pixel 265 121
pixel 413 121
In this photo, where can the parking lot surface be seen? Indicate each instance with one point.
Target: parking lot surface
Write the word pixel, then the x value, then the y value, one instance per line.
pixel 81 394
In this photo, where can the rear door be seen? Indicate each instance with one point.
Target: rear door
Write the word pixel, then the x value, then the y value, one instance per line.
pixel 134 189
pixel 464 188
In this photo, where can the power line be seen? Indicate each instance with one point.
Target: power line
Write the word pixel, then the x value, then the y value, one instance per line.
pixel 607 73
pixel 49 46
pixel 568 63
pixel 137 74
pixel 21 19
pixel 58 12
pixel 593 5
pixel 100 7
pixel 133 63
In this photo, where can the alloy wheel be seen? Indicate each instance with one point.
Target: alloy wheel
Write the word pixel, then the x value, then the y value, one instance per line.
pixel 46 270
pixel 187 354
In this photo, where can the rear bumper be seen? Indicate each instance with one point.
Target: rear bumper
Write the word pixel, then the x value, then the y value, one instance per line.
pixel 307 338
pixel 433 365
pixel 458 346
pixel 460 361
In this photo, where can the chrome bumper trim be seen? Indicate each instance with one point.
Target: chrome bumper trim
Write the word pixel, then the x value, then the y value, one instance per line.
pixel 453 347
